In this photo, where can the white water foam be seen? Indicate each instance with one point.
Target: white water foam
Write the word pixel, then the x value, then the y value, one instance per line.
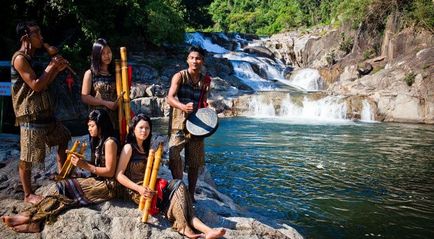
pixel 366 115
pixel 307 79
pixel 328 109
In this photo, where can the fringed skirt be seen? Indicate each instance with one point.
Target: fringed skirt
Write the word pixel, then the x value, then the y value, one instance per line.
pixel 71 193
pixel 180 211
pixel 180 208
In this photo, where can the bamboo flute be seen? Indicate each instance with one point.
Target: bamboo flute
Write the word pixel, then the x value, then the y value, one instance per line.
pixel 64 171
pixel 125 86
pixel 120 99
pixel 80 154
pixel 147 176
pixel 153 180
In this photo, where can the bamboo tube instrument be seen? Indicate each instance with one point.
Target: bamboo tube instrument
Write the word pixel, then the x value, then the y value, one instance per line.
pixel 125 86
pixel 68 167
pixel 153 180
pixel 119 93
pixel 147 176
pixel 53 51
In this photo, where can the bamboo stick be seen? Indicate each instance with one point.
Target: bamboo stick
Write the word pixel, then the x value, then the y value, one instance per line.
pixel 80 154
pixel 120 99
pixel 153 180
pixel 147 176
pixel 64 171
pixel 125 86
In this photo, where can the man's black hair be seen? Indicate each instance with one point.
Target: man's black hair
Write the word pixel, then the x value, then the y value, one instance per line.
pixel 197 49
pixel 23 28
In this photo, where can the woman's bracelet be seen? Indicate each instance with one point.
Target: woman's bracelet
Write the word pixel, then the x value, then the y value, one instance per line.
pixel 94 170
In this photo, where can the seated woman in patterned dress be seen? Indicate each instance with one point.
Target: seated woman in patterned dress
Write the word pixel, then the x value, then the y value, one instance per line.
pixel 75 192
pixel 131 168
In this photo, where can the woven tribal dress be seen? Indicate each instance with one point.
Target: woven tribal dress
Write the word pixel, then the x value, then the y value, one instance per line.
pixel 179 209
pixel 75 192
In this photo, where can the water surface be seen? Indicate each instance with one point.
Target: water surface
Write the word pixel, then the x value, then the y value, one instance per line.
pixel 329 180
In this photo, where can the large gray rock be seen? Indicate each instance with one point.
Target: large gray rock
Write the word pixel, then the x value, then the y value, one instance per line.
pixel 121 219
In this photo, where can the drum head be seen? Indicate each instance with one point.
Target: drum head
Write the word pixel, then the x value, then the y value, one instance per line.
pixel 203 122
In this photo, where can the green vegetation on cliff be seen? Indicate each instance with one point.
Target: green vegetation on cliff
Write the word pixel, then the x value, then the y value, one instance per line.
pixel 273 16
pixel 74 25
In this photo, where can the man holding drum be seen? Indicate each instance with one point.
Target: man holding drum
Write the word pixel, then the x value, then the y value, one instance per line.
pixel 188 92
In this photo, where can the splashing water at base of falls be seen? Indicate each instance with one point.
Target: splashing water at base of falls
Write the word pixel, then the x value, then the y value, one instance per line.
pixel 267 74
pixel 366 114
pixel 307 79
pixel 330 108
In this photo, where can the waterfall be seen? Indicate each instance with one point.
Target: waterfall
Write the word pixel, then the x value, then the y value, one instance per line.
pixel 266 74
pixel 196 38
pixel 243 70
pixel 307 79
pixel 330 108
pixel 366 114
pixel 260 108
pixel 271 72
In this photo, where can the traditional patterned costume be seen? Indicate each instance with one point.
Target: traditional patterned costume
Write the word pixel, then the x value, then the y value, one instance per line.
pixel 75 192
pixel 104 87
pixel 34 114
pixel 176 204
pixel 179 137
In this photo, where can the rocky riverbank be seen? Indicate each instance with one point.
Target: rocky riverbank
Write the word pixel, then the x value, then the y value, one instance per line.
pixel 120 219
pixel 390 66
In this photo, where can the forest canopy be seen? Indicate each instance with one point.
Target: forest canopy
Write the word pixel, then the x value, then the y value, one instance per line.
pixel 74 25
pixel 265 17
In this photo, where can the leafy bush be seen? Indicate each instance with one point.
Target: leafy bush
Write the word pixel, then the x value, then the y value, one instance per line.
pixel 346 44
pixel 421 12
pixel 409 78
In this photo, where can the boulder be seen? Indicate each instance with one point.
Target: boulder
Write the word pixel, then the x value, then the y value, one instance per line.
pixel 121 219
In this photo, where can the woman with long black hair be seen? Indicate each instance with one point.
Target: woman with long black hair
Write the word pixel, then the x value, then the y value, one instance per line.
pixel 175 202
pixel 75 192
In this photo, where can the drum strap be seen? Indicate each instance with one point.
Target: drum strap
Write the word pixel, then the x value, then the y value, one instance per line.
pixel 205 86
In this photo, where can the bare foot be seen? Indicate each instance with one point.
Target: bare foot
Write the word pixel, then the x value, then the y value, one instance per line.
pixel 16 220
pixel 29 228
pixel 190 233
pixel 215 233
pixel 33 198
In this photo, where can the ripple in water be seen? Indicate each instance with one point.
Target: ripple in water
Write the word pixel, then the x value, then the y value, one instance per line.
pixel 329 181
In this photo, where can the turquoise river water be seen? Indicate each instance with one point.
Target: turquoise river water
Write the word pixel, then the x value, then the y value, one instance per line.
pixel 329 180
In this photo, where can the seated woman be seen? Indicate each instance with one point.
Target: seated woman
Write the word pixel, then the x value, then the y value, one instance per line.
pixel 131 168
pixel 77 191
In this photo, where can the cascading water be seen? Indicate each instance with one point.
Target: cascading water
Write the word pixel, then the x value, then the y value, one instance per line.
pixel 325 109
pixel 307 79
pixel 265 74
pixel 260 108
pixel 196 38
pixel 366 114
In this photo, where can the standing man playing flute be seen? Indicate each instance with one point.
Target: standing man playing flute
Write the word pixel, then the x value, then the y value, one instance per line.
pixel 33 106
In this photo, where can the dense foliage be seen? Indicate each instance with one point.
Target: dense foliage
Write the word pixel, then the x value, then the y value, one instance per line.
pixel 272 16
pixel 74 25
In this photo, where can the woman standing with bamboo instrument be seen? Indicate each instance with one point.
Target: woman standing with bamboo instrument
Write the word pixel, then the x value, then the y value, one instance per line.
pixel 99 85
pixel 174 200
pixel 76 192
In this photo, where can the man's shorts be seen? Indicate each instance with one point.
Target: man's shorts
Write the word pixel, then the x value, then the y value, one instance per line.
pixel 194 150
pixel 36 137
